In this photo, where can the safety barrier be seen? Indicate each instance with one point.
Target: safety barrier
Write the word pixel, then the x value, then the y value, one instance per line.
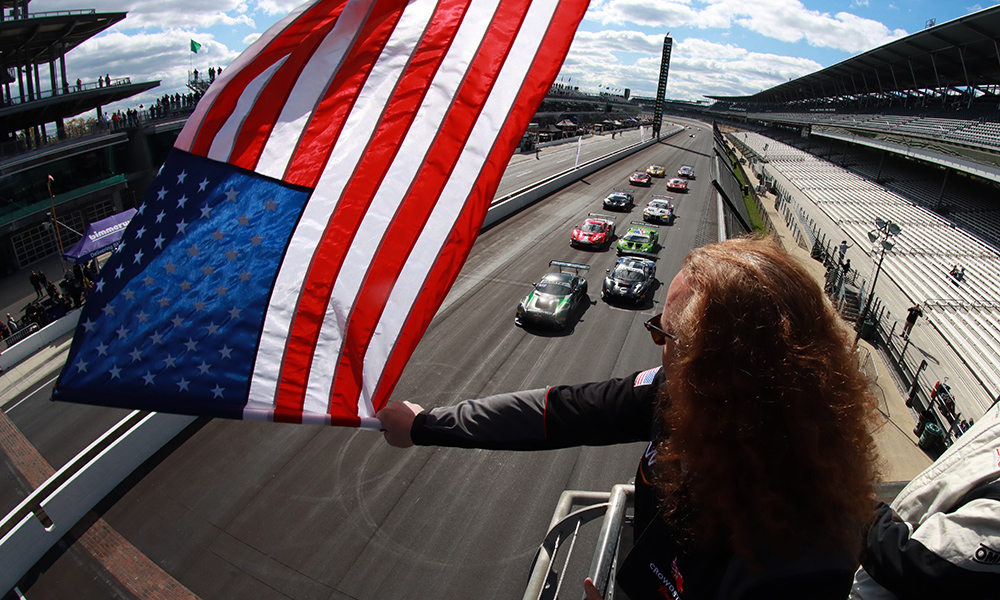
pixel 555 554
pixel 510 204
pixel 45 516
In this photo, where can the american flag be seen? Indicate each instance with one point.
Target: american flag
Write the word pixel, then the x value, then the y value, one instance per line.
pixel 646 377
pixel 316 209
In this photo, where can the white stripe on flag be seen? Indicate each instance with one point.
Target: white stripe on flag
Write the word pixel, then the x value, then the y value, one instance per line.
pixel 350 148
pixel 435 234
pixel 309 88
pixel 395 186
pixel 222 144
pixel 185 139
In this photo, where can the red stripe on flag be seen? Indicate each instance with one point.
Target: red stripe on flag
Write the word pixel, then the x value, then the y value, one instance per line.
pixel 453 254
pixel 320 136
pixel 282 45
pixel 259 124
pixel 355 200
pixel 403 232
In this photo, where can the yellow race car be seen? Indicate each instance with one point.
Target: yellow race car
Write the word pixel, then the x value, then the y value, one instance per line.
pixel 656 170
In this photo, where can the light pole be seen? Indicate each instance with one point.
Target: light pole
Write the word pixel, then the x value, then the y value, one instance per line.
pixel 52 203
pixel 881 234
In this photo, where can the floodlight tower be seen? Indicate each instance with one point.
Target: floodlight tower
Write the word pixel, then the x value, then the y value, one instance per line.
pixel 883 231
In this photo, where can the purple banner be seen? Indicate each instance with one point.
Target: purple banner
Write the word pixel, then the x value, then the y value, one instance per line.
pixel 101 236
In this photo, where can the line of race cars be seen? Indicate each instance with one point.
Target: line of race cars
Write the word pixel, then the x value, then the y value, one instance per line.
pixel 553 300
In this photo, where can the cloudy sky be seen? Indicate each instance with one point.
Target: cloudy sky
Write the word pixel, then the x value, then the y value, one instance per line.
pixel 721 47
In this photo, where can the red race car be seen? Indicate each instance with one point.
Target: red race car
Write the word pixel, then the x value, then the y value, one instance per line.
pixel 596 230
pixel 640 178
pixel 677 185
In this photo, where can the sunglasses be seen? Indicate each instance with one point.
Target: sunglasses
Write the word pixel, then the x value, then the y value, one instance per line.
pixel 658 334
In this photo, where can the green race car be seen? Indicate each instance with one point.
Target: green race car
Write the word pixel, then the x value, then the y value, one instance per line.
pixel 555 298
pixel 642 239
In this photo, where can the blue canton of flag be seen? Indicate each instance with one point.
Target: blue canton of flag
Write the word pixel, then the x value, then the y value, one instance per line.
pixel 175 315
pixel 646 377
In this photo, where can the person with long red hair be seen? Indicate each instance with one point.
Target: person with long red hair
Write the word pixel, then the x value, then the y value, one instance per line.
pixel 759 478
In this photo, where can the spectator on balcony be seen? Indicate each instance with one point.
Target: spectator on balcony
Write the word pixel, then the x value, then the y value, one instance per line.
pixel 760 465
pixel 12 324
pixel 79 84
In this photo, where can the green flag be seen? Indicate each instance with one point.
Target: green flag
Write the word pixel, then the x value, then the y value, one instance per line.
pixel 195 46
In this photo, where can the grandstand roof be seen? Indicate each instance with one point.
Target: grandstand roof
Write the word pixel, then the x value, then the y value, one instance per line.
pixel 960 53
pixel 28 41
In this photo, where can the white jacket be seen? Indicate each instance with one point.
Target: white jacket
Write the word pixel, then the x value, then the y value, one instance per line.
pixel 941 538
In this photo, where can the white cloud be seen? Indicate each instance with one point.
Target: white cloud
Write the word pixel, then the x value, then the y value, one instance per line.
pixel 789 21
pixel 784 20
pixel 161 14
pixel 164 56
pixel 277 7
pixel 697 68
pixel 253 37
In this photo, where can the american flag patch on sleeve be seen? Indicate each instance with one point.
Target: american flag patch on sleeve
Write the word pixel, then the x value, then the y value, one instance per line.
pixel 646 377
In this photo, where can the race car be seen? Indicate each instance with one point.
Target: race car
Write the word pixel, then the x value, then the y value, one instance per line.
pixel 619 199
pixel 631 279
pixel 640 178
pixel 686 171
pixel 659 210
pixel 677 185
pixel 596 230
pixel 656 171
pixel 641 239
pixel 554 299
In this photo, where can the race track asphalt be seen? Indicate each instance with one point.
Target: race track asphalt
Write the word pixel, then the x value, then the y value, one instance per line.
pixel 261 510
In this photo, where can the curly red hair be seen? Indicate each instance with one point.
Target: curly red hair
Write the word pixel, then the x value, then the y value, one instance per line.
pixel 768 414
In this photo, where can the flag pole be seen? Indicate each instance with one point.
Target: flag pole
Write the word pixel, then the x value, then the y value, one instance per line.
pixel 55 223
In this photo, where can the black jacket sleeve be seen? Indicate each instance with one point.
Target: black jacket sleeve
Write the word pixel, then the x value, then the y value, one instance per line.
pixel 917 567
pixel 590 414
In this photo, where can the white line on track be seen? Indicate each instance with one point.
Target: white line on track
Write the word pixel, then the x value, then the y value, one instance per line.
pixel 38 389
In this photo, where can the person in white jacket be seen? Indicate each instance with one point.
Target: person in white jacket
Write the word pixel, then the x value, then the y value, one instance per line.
pixel 940 538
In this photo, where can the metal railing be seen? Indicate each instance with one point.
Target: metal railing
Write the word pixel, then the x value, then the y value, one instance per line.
pixel 20 334
pixel 546 577
pixel 69 88
pixel 549 568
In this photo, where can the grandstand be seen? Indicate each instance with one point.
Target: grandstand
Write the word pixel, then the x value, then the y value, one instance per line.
pixel 968 313
pixel 910 132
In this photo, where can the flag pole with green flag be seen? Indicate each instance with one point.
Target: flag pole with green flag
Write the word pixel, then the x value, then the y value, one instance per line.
pixel 195 47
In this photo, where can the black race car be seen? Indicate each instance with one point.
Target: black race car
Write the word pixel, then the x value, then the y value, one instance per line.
pixel 631 280
pixel 555 298
pixel 619 199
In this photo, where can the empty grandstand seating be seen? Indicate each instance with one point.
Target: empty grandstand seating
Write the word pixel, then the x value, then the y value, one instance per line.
pixel 966 313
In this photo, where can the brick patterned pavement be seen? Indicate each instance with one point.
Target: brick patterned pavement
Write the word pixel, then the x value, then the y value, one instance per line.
pixel 131 569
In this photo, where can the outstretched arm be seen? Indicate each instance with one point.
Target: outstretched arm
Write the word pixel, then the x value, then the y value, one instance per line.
pixel 592 414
